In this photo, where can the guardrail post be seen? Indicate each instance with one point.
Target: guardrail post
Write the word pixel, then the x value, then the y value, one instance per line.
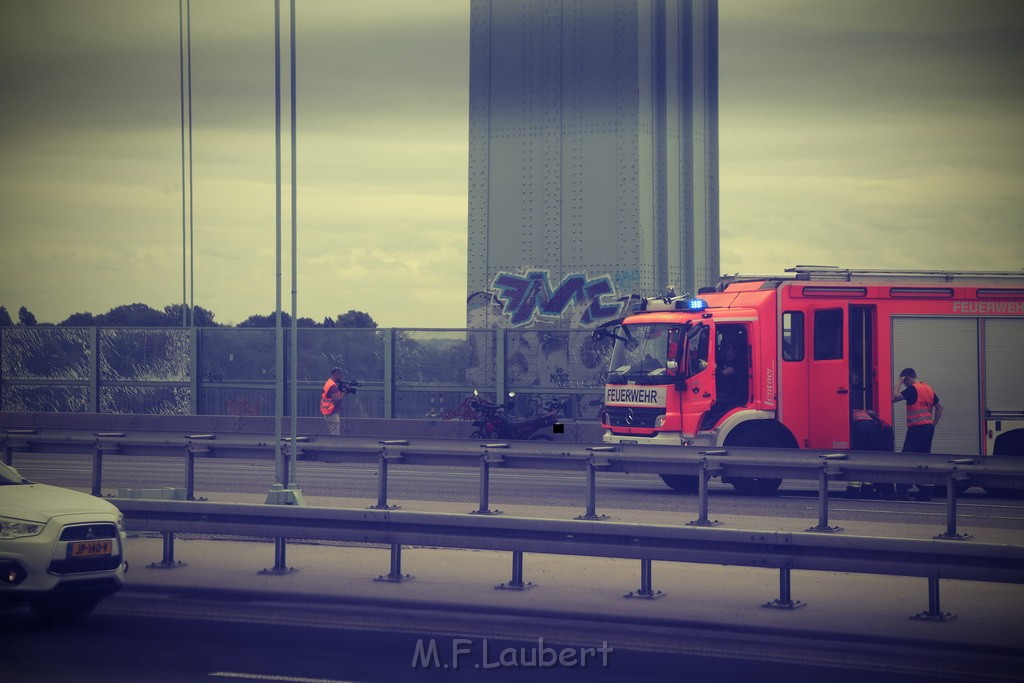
pixel 280 564
pixel 705 472
pixel 97 459
pixel 785 600
pixel 934 612
pixel 168 560
pixel 10 445
pixel 592 464
pixel 486 460
pixel 646 590
pixel 382 482
pixel 190 462
pixel 516 583
pixel 97 469
pixel 382 477
pixel 286 491
pixel 396 575
pixel 823 494
pixel 190 473
pixel 951 480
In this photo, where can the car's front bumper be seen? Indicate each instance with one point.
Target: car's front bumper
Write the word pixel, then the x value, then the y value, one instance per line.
pixel 81 553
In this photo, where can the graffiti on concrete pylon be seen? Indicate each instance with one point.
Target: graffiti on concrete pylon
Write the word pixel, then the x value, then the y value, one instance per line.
pixel 530 296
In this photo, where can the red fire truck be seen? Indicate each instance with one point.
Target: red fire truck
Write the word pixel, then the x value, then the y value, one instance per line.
pixel 789 360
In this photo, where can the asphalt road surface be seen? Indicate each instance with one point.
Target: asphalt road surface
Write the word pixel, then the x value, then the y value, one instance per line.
pixel 140 638
pixel 155 637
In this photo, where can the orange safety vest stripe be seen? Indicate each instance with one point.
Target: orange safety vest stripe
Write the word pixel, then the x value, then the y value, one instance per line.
pixel 920 412
pixel 327 406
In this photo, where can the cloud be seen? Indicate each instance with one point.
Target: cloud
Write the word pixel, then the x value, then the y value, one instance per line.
pixel 871 134
pixel 92 138
pixel 866 134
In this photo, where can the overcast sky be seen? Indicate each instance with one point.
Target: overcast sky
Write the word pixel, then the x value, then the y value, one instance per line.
pixel 862 133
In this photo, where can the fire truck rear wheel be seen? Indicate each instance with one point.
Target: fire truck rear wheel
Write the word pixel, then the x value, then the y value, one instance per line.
pixel 1012 494
pixel 1011 443
pixel 762 433
pixel 681 482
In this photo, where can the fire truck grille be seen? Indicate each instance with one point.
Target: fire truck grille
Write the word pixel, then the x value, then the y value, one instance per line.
pixel 633 417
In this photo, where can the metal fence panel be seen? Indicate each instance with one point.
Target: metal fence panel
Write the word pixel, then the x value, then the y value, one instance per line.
pixel 45 353
pixel 228 354
pixel 46 368
pixel 547 364
pixel 145 355
pixel 148 400
pixel 445 357
pixel 405 373
pixel 556 359
pixel 46 399
pixel 358 352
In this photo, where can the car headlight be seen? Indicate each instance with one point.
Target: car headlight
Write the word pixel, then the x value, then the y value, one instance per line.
pixel 11 527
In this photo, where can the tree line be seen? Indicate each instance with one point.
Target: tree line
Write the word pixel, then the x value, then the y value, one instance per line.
pixel 141 315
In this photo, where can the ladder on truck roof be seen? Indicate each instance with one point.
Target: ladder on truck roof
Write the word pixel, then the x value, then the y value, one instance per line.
pixel 836 274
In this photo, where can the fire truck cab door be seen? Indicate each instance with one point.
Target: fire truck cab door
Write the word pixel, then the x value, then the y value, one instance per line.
pixel 828 396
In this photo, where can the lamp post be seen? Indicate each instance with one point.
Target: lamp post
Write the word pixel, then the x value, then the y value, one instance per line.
pixel 285 490
pixel 185 97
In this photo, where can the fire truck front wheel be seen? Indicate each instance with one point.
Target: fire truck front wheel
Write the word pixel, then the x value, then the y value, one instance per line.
pixel 762 433
pixel 756 486
pixel 681 482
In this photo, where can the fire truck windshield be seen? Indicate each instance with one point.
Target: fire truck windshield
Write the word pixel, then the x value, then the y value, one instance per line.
pixel 645 353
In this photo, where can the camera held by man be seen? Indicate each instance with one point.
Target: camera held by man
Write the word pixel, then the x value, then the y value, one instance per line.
pixel 350 386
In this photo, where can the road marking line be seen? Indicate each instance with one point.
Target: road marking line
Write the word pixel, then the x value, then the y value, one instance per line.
pixel 269 677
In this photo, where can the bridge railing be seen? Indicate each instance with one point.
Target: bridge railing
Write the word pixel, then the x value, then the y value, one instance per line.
pixel 785 552
pixel 951 471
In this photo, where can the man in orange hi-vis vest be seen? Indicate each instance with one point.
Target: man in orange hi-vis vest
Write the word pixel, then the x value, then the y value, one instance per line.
pixel 330 401
pixel 923 414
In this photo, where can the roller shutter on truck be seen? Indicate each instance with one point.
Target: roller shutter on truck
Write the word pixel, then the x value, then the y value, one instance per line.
pixel 1004 386
pixel 944 352
pixel 1004 368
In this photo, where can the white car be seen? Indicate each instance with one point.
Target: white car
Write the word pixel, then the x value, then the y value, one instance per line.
pixel 61 551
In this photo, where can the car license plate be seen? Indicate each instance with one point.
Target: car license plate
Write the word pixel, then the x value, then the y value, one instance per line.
pixel 90 548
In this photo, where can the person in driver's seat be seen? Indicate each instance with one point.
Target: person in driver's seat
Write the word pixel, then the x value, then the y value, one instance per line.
pixel 730 380
pixel 731 374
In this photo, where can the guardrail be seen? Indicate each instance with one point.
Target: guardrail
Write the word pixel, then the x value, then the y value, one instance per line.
pixel 948 470
pixel 931 559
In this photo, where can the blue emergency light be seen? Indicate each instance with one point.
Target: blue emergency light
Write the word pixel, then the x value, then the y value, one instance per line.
pixel 692 305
